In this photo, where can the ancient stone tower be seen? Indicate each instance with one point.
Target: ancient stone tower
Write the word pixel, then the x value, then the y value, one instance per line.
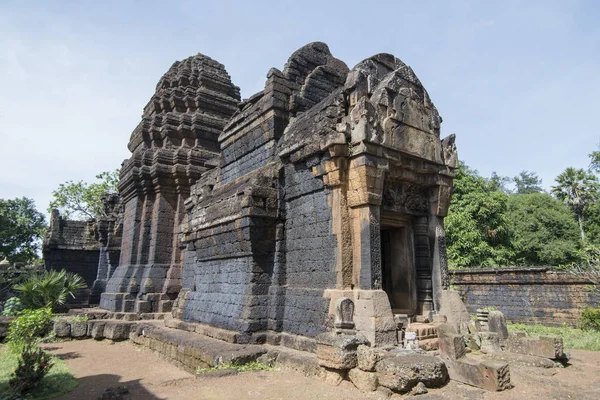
pixel 171 148
pixel 328 187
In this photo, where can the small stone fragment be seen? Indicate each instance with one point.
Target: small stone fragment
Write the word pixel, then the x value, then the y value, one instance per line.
pixel 420 389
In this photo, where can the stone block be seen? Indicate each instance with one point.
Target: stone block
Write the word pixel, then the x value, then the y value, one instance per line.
pixel 497 324
pixel 363 380
pixel 97 329
pixel 78 329
pixel 368 357
pixel 403 372
pixel 451 344
pixel 486 374
pixel 117 330
pixel 548 347
pixel 429 344
pixel 455 310
pixel 338 351
pixel 490 342
pixel 62 328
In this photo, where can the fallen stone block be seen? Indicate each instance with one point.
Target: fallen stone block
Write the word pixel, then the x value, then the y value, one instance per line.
pixel 363 380
pixel 490 342
pixel 521 359
pixel 338 351
pixel 368 357
pixel 402 373
pixel 429 344
pixel 548 347
pixel 451 344
pixel 486 374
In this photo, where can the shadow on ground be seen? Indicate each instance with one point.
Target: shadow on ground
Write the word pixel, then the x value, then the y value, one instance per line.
pixel 92 387
pixel 67 356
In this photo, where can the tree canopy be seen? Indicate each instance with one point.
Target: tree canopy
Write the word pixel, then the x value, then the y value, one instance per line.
pixel 491 225
pixel 21 228
pixel 578 189
pixel 82 200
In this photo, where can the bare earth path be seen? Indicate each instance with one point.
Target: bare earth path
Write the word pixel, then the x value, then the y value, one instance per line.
pixel 100 365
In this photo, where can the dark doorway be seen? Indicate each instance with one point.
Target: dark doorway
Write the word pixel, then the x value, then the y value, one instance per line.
pixel 398 270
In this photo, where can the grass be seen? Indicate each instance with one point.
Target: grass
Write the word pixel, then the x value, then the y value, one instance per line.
pixel 59 380
pixel 248 367
pixel 573 338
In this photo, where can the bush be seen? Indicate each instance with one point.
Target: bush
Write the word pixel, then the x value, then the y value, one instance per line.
pixel 28 328
pixel 590 319
pixel 12 307
pixel 34 364
pixel 50 289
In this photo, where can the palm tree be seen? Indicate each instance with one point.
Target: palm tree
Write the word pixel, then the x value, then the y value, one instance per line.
pixel 50 289
pixel 577 189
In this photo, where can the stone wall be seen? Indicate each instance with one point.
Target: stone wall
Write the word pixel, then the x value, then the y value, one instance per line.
pixel 529 295
pixel 74 247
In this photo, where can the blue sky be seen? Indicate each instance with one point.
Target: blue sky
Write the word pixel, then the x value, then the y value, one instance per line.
pixel 516 81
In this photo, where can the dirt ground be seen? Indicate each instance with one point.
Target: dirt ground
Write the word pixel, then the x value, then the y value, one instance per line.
pixel 101 365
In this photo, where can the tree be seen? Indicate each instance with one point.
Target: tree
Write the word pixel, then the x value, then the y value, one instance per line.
pixel 527 182
pixel 577 189
pixel 595 160
pixel 21 228
pixel 477 229
pixel 543 231
pixel 81 200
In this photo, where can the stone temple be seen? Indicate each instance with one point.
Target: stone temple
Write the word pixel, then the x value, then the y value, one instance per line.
pixel 264 216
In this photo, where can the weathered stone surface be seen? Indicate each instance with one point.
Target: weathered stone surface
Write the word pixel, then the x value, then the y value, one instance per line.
pixel 96 329
pixel 368 357
pixel 78 329
pixel 455 310
pixel 497 324
pixel 62 328
pixel 451 344
pixel 402 373
pixel 363 380
pixel 420 389
pixel 490 342
pixel 548 347
pixel 486 374
pixel 338 351
pixel 117 330
pixel 521 359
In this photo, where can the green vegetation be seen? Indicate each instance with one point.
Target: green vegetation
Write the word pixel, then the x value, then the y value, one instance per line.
pixel 28 328
pixel 49 289
pixel 21 228
pixel 12 307
pixel 590 319
pixel 58 381
pixel 82 200
pixel 490 224
pixel 248 367
pixel 573 338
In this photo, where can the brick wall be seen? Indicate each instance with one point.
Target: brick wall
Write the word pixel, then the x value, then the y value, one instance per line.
pixel 530 295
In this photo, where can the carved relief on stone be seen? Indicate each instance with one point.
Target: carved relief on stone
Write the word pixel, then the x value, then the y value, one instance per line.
pixel 344 313
pixel 405 197
pixel 449 149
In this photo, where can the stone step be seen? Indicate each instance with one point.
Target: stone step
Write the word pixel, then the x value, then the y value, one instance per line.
pixel 190 350
pixel 97 313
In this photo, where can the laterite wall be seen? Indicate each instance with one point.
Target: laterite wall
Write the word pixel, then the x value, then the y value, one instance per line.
pixel 529 295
